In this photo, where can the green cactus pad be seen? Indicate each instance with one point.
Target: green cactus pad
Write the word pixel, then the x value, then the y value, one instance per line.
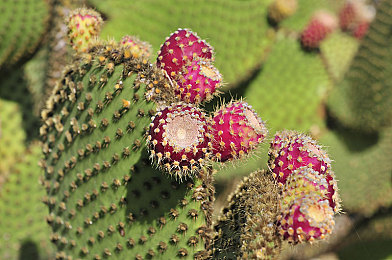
pixel 23 231
pixel 288 91
pixel 362 165
pixel 238 30
pixel 23 24
pixel 338 51
pixel 12 137
pixel 103 198
pixel 246 228
pixel 366 91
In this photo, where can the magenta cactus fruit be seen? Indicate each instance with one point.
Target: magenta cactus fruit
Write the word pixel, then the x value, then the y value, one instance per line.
pixel 237 129
pixel 305 181
pixel 308 218
pixel 321 24
pixel 198 81
pixel 135 47
pixel 182 46
pixel 83 26
pixel 355 17
pixel 290 150
pixel 179 139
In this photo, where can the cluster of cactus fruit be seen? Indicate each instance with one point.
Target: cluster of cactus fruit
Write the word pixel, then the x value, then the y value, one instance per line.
pixel 129 146
pixel 95 121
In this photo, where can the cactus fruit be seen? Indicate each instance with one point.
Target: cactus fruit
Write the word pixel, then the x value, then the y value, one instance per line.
pixel 237 129
pixel 246 228
pixel 321 24
pixel 305 181
pixel 290 150
pixel 198 81
pixel 22 213
pixel 135 47
pixel 179 139
pixel 182 46
pixel 307 219
pixel 281 9
pixel 83 26
pixel 355 17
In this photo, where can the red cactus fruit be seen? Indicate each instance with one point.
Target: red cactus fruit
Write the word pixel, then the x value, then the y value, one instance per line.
pixel 290 150
pixel 307 219
pixel 198 81
pixel 237 130
pixel 304 181
pixel 135 47
pixel 182 45
pixel 355 17
pixel 321 24
pixel 179 139
pixel 83 25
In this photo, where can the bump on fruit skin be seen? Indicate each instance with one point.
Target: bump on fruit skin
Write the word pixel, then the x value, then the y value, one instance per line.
pixel 83 25
pixel 179 140
pixel 198 81
pixel 181 46
pixel 281 9
pixel 321 24
pixel 305 181
pixel 135 47
pixel 307 219
pixel 290 150
pixel 237 130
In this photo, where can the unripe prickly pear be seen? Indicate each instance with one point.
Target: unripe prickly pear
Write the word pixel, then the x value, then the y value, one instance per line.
pixel 198 81
pixel 307 219
pixel 281 9
pixel 321 24
pixel 291 150
pixel 304 181
pixel 83 26
pixel 237 130
pixel 182 45
pixel 135 47
pixel 179 139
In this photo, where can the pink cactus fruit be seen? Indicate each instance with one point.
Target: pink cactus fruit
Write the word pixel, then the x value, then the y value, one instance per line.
pixel 321 24
pixel 182 46
pixel 135 47
pixel 83 26
pixel 307 219
pixel 237 129
pixel 290 150
pixel 355 17
pixel 305 181
pixel 198 81
pixel 179 139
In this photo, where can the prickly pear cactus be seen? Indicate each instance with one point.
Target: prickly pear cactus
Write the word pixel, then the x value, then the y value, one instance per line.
pixel 23 231
pixel 23 24
pixel 363 99
pixel 104 199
